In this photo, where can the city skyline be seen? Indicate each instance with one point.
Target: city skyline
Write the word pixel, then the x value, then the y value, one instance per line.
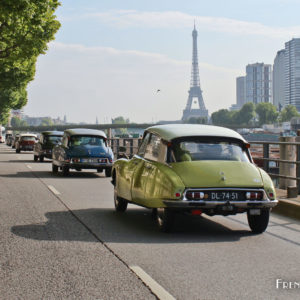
pixel 110 59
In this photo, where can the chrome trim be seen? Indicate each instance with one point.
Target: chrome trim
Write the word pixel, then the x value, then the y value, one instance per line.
pixel 265 197
pixel 213 204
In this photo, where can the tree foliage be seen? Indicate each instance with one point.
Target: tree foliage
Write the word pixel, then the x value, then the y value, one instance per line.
pixel 17 122
pixel 288 113
pixel 26 26
pixel 196 120
pixel 267 113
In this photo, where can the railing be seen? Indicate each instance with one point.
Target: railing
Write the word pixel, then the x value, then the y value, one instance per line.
pixel 287 169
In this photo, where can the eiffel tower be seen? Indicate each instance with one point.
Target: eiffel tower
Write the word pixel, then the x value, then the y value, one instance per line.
pixel 195 92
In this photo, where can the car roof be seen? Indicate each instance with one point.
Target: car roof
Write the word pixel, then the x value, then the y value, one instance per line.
pixel 85 131
pixel 169 132
pixel 59 133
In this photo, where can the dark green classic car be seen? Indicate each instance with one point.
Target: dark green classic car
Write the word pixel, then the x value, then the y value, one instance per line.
pixel 196 169
pixel 82 149
pixel 47 140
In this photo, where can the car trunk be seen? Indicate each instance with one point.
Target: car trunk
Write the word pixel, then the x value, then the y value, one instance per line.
pixel 202 174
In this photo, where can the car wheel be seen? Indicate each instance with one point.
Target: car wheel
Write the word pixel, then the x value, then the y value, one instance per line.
pixel 35 157
pixel 108 172
pixel 54 169
pixel 41 158
pixel 18 150
pixel 120 204
pixel 65 171
pixel 165 219
pixel 259 223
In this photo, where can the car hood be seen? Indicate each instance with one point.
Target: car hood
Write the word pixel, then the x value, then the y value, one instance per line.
pixel 196 174
pixel 88 151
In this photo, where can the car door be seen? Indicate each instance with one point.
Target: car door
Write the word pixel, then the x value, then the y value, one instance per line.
pixel 144 170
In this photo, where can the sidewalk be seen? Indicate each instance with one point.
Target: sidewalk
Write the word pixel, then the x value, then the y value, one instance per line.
pixel 289 207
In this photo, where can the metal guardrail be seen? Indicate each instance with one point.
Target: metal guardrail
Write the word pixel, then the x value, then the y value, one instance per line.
pixel 266 159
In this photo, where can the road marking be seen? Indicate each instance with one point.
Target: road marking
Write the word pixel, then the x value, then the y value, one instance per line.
pixel 53 190
pixel 156 288
pixel 29 167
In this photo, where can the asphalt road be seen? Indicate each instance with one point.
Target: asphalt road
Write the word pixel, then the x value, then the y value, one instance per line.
pixel 62 239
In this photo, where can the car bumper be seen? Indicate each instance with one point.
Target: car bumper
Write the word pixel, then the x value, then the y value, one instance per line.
pixel 87 165
pixel 26 148
pixel 215 204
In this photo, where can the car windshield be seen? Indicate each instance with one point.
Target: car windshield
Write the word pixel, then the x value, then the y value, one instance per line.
pixel 197 151
pixel 53 138
pixel 28 138
pixel 79 140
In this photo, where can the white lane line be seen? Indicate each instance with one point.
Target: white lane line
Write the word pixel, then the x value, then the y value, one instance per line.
pixel 53 190
pixel 29 167
pixel 156 288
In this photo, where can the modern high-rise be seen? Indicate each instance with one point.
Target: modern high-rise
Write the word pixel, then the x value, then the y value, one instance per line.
pixel 259 83
pixel 292 73
pixel 279 80
pixel 240 91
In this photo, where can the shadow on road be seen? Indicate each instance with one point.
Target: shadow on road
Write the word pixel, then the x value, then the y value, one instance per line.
pixel 134 226
pixel 49 174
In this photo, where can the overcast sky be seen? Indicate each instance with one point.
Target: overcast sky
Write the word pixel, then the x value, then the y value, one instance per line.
pixel 111 56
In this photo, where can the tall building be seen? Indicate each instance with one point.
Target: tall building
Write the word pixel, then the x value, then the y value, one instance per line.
pixel 259 83
pixel 279 80
pixel 240 91
pixel 292 73
pixel 195 92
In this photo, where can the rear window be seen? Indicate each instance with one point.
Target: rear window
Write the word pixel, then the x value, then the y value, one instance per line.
pixel 197 151
pixel 80 140
pixel 28 138
pixel 53 138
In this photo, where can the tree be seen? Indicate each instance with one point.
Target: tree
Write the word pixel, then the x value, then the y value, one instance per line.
pixel 25 29
pixel 267 113
pixel 120 120
pixel 196 120
pixel 223 117
pixel 245 114
pixel 17 122
pixel 46 122
pixel 288 113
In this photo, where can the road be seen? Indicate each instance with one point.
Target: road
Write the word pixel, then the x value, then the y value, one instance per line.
pixel 62 239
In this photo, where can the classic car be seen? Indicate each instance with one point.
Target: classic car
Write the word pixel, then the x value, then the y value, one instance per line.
pixel 194 169
pixel 82 149
pixel 25 142
pixel 47 140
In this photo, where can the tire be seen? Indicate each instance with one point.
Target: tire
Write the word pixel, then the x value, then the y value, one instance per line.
pixel 120 204
pixel 35 157
pixel 65 171
pixel 108 172
pixel 54 169
pixel 18 150
pixel 164 219
pixel 259 223
pixel 41 158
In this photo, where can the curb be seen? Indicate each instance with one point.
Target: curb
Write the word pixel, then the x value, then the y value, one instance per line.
pixel 288 208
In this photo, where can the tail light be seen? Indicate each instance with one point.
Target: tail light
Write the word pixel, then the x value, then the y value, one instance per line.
pixel 254 195
pixel 194 195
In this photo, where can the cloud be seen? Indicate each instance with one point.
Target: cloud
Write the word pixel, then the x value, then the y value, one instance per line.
pixel 85 82
pixel 176 19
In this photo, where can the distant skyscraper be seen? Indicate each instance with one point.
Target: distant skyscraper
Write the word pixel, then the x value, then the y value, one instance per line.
pixel 292 73
pixel 195 93
pixel 240 91
pixel 279 80
pixel 259 83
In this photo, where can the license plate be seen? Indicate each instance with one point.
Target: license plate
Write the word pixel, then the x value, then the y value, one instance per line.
pixel 254 212
pixel 220 196
pixel 89 160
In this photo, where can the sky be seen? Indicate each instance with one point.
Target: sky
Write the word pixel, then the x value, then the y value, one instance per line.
pixel 110 57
